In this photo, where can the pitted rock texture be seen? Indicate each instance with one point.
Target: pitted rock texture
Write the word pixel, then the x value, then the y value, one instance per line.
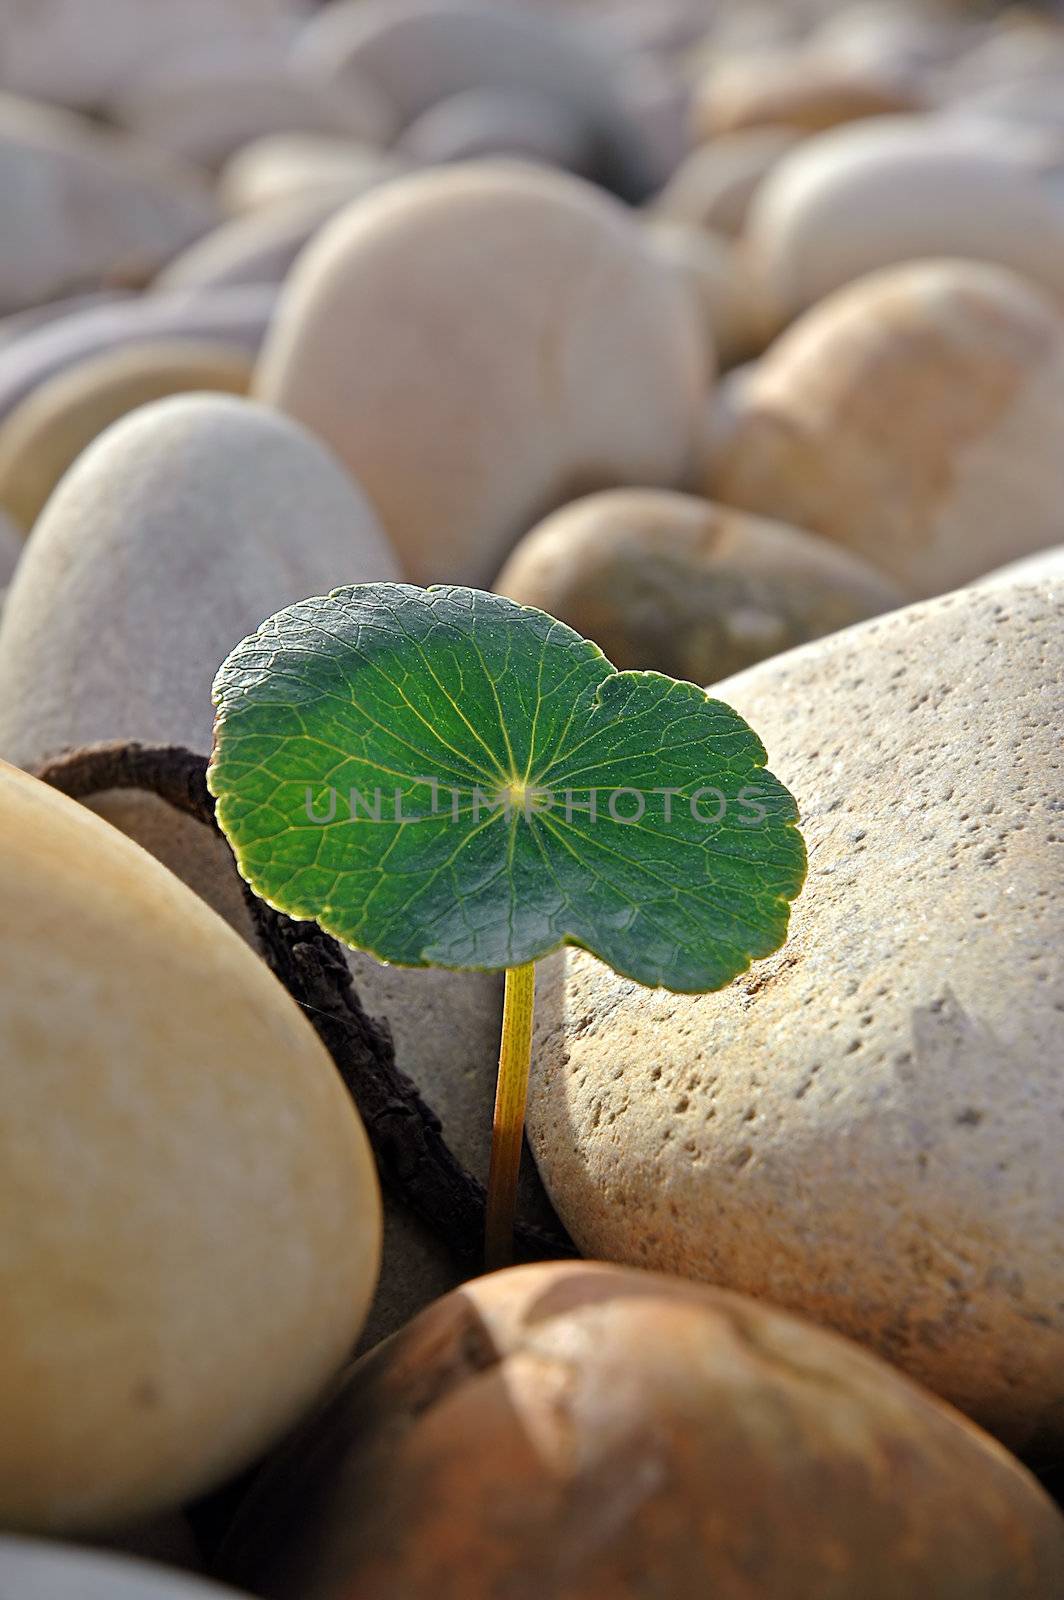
pixel 867 1127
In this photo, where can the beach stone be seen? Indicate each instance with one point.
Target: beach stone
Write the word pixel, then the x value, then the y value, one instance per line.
pixel 479 345
pixel 419 52
pixel 44 435
pixel 234 317
pixel 193 1211
pixel 857 199
pixel 586 1433
pixel 31 1569
pixel 714 269
pixel 292 167
pixel 528 124
pixel 81 55
pixel 257 247
pixel 715 184
pixel 665 582
pixel 172 538
pixel 85 207
pixel 865 1128
pixel 794 90
pixel 206 115
pixel 915 417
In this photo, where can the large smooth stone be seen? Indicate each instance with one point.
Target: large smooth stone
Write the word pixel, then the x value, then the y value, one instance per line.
pixel 857 199
pixel 259 247
pixel 669 583
pixel 206 116
pixel 83 207
pixel 82 54
pixel 479 345
pixel 289 167
pixel 419 52
pixel 174 535
pixel 867 1127
pixel 577 1432
pixel 232 316
pixel 794 90
pixel 44 435
pixel 192 1221
pixel 916 417
pixel 33 1570
pixel 715 184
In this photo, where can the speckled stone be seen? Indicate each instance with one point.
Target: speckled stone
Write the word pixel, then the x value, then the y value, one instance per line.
pixel 867 1127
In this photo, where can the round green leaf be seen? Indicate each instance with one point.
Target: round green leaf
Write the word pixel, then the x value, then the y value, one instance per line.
pixel 444 778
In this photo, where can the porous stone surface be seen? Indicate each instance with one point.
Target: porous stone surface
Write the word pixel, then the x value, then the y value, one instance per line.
pixel 866 1128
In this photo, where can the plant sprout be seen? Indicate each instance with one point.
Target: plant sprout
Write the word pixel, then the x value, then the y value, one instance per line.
pixel 441 777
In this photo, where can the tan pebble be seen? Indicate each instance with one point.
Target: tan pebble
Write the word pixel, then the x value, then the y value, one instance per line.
pixel 915 417
pixel 285 168
pixel 664 582
pixel 192 1208
pixel 791 90
pixel 479 344
pixel 44 435
pixel 235 317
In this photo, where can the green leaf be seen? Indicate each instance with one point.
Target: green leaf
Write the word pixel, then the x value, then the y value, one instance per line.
pixel 457 738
